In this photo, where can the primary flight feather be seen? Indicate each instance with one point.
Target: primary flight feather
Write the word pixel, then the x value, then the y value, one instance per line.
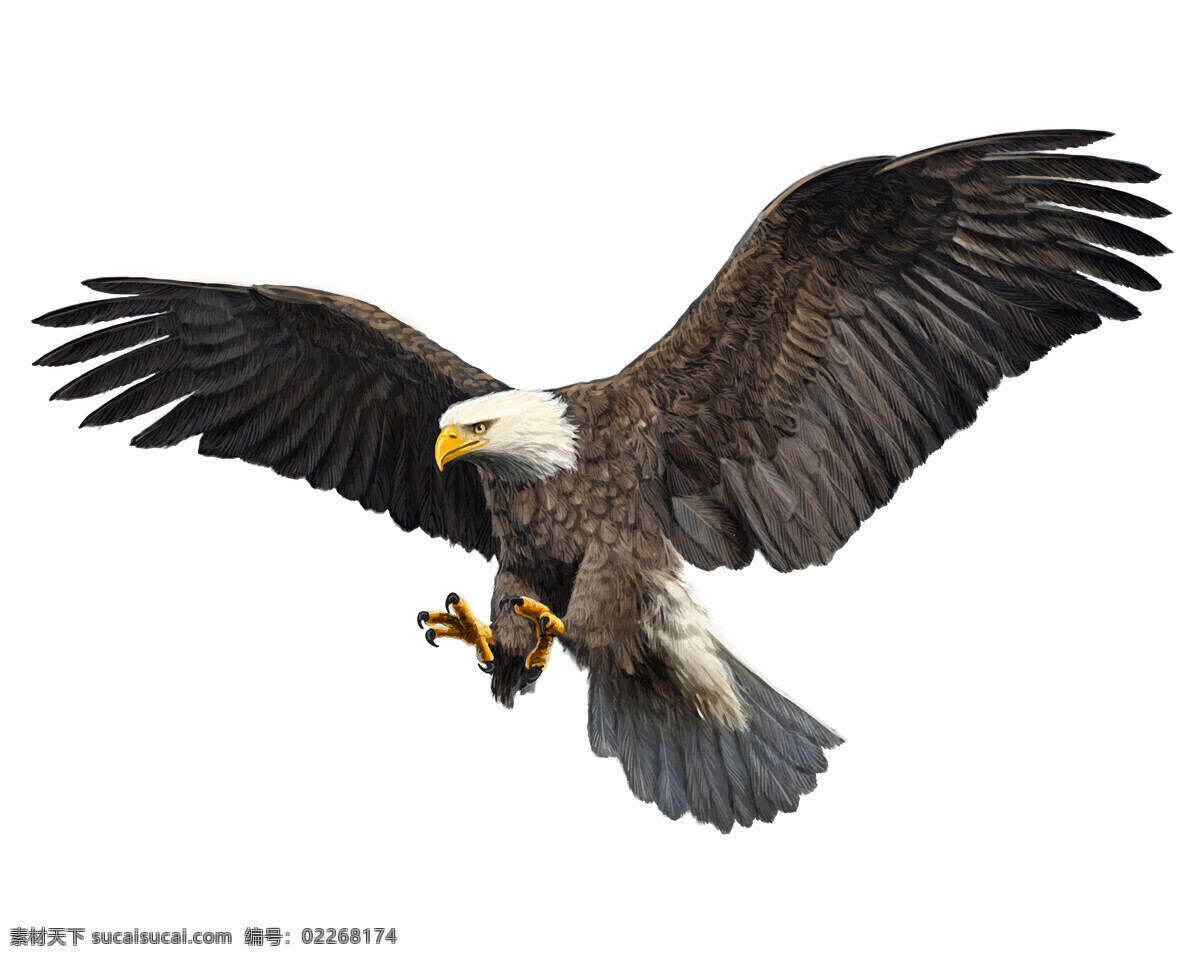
pixel 861 321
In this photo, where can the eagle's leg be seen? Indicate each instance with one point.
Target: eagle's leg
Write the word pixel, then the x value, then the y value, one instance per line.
pixel 548 627
pixel 460 623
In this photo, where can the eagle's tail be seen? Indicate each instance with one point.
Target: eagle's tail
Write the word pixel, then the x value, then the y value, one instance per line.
pixel 684 761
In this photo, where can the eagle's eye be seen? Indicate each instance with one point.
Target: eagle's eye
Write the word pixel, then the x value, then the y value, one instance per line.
pixel 480 427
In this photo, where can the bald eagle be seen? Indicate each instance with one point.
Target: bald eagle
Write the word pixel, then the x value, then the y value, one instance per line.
pixel 861 320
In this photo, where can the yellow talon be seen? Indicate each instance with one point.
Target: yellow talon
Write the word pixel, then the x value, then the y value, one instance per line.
pixel 548 627
pixel 461 624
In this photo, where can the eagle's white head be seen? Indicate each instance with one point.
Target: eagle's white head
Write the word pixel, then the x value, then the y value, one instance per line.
pixel 518 435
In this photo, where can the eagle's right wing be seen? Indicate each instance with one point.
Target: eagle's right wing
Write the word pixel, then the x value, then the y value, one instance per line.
pixel 862 320
pixel 307 383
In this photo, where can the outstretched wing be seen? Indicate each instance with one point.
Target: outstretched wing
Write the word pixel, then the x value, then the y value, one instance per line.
pixel 863 319
pixel 307 383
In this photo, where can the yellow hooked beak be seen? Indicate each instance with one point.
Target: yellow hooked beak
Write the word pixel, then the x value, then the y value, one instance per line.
pixel 450 444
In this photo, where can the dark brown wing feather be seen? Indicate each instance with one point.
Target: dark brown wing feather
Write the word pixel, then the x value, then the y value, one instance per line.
pixel 307 383
pixel 863 319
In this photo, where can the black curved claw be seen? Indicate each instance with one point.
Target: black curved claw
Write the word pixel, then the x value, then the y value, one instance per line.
pixel 487 667
pixel 451 599
pixel 513 601
pixel 422 617
pixel 430 634
pixel 544 623
pixel 528 675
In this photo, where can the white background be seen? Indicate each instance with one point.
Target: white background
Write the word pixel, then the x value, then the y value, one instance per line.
pixel 217 709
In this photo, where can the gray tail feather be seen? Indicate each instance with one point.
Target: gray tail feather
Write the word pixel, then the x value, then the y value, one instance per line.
pixel 684 762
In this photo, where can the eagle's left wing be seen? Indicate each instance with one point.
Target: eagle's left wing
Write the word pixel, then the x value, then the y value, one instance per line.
pixel 862 320
pixel 310 384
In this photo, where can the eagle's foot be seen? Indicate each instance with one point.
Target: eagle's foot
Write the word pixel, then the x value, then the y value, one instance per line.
pixel 459 622
pixel 548 627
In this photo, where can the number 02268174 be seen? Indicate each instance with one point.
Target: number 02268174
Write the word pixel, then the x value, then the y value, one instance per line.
pixel 348 935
